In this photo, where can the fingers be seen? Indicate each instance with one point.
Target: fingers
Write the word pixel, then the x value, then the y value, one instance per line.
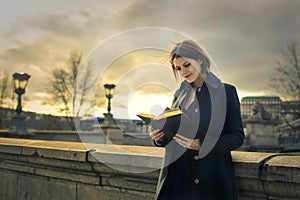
pixel 150 128
pixel 183 141
pixel 156 134
pixel 183 138
pixel 187 142
pixel 180 142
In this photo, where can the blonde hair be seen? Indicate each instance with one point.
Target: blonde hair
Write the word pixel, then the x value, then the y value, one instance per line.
pixel 188 49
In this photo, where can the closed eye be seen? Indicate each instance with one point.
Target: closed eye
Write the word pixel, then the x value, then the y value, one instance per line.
pixel 185 65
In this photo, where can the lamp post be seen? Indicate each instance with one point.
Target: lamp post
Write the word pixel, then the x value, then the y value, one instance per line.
pixel 113 134
pixel 18 121
pixel 109 92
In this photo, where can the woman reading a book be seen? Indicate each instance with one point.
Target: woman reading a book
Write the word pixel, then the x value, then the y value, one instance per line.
pixel 186 174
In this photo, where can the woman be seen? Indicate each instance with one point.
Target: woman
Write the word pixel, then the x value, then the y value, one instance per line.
pixel 185 175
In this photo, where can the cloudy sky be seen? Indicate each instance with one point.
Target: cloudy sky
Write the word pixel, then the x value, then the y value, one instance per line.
pixel 244 39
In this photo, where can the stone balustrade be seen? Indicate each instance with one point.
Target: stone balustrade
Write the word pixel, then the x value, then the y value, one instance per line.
pixel 52 170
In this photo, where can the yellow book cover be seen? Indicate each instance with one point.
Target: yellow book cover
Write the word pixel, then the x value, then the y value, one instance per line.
pixel 170 122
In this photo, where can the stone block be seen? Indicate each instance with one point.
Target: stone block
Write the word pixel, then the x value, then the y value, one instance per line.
pixel 129 158
pixel 63 190
pixel 250 185
pixel 104 169
pixel 129 183
pixel 85 192
pixel 50 149
pixel 113 193
pixel 247 164
pixel 17 166
pixel 13 157
pixel 49 152
pixel 80 177
pixel 282 190
pixel 12 149
pixel 284 168
pixel 33 188
pixel 8 185
pixel 73 165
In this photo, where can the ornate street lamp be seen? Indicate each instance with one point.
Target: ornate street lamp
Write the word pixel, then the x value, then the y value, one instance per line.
pixel 18 121
pixel 109 92
pixel 113 134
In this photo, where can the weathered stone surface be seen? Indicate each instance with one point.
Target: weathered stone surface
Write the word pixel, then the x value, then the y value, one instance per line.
pixel 129 158
pixel 8 185
pixel 252 185
pixel 129 183
pixel 247 164
pixel 17 166
pixel 106 169
pixel 67 164
pixel 69 175
pixel 33 188
pixel 282 190
pixel 10 148
pixel 284 168
pixel 85 192
pixel 42 148
pixel 50 170
pixel 62 190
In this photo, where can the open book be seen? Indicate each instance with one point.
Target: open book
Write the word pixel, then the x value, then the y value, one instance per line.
pixel 171 122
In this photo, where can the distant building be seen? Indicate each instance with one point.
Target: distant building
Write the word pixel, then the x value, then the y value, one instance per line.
pixel 272 104
pixel 290 107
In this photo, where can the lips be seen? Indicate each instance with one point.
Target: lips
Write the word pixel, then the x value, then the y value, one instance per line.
pixel 187 76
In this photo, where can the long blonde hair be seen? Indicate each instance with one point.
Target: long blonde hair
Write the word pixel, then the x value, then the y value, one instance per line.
pixel 188 49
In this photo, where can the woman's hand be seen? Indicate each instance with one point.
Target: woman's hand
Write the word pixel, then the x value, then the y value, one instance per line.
pixel 193 144
pixel 155 135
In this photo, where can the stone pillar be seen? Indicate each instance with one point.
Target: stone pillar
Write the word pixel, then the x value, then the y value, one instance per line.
pixel 113 133
pixel 262 135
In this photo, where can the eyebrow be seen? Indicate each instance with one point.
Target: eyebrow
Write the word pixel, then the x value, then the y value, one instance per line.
pixel 183 63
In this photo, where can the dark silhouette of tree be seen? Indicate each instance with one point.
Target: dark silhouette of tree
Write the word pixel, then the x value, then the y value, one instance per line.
pixel 286 79
pixel 3 95
pixel 64 91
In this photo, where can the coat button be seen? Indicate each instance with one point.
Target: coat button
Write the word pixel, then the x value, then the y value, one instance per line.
pixel 196 181
pixel 196 157
pixel 196 110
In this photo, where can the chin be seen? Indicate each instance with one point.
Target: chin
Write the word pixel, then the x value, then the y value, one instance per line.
pixel 190 81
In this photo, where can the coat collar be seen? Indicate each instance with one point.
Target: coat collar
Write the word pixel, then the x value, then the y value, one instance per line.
pixel 211 81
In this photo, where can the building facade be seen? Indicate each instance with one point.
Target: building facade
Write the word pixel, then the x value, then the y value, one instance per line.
pixel 272 104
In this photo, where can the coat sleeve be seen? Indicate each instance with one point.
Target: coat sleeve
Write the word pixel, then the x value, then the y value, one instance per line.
pixel 232 136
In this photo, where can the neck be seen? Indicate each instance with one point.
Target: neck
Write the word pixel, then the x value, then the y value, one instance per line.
pixel 198 83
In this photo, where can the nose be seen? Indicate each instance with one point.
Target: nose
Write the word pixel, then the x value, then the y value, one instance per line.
pixel 183 70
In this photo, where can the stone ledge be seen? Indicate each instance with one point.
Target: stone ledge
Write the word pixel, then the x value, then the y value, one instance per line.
pixel 268 175
pixel 53 164
pixel 248 164
pixel 41 148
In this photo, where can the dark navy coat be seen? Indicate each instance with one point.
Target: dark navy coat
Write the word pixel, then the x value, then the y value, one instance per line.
pixel 184 174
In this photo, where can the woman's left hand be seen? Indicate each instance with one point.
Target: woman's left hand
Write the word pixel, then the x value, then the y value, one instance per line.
pixel 193 144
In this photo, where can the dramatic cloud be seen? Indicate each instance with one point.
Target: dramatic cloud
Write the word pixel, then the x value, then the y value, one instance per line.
pixel 244 38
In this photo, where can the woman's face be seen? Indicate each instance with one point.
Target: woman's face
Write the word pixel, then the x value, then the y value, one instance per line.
pixel 189 69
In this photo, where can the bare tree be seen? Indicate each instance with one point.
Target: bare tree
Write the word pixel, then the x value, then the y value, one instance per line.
pixel 64 90
pixel 3 95
pixel 286 79
pixel 3 87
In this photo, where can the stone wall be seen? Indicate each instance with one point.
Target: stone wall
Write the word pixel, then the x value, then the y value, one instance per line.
pixel 72 136
pixel 44 170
